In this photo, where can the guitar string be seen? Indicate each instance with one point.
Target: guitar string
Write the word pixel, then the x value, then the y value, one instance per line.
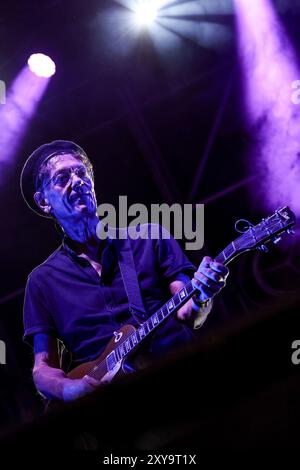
pixel 248 236
pixel 104 362
pixel 186 288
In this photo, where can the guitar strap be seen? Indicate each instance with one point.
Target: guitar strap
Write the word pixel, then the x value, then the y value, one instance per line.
pixel 130 280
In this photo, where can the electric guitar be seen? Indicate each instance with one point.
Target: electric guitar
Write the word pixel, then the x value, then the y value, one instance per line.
pixel 112 361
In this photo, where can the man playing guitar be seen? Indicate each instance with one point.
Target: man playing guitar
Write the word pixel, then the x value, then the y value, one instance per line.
pixel 80 294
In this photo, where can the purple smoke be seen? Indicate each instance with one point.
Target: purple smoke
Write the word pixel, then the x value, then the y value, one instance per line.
pixel 22 100
pixel 270 68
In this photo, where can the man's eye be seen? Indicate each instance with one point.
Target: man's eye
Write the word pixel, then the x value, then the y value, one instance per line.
pixel 61 179
pixel 81 173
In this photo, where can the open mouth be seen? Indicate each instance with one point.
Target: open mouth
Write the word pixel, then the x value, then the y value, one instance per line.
pixel 79 197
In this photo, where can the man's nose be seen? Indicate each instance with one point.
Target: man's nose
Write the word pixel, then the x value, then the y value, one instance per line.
pixel 79 185
pixel 74 177
pixel 76 181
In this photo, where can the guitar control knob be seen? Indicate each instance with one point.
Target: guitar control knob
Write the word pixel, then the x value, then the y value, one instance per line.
pixel 118 335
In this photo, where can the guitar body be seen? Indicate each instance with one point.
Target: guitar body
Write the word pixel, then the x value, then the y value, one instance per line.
pixel 99 364
pixel 98 368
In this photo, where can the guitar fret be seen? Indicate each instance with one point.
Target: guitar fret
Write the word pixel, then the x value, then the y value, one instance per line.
pixel 137 336
pixel 229 250
pixel 117 354
pixel 182 294
pixel 127 346
pixel 170 305
pixel 155 319
pixel 189 288
pixel 122 351
pixel 221 258
pixel 141 332
pixel 176 299
pixel 164 311
pixel 150 324
pixel 134 339
pixel 242 241
pixel 160 315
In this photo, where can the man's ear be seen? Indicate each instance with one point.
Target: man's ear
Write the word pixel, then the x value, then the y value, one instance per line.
pixel 42 202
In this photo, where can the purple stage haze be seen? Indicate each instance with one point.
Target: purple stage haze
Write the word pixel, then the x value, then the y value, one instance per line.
pixel 22 100
pixel 269 70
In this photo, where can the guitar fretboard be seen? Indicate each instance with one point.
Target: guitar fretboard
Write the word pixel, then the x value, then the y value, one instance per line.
pixel 245 241
pixel 155 320
pixel 252 238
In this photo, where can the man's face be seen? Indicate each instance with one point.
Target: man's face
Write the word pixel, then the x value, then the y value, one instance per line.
pixel 68 188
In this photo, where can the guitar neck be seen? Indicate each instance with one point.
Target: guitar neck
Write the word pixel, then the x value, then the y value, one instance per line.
pixel 254 237
pixel 169 308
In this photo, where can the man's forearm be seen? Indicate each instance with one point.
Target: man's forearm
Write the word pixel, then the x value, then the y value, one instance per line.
pixel 191 313
pixel 201 312
pixel 50 381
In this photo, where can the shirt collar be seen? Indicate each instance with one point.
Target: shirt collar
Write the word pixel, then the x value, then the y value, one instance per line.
pixel 65 245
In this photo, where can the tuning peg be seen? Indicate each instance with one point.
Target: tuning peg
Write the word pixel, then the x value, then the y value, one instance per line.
pixel 263 248
pixel 290 231
pixel 276 240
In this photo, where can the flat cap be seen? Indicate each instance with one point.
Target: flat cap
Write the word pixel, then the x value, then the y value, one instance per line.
pixel 30 171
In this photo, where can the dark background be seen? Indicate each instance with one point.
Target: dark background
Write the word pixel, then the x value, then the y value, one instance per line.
pixel 145 118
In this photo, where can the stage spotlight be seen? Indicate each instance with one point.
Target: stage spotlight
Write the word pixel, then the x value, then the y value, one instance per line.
pixel 41 65
pixel 146 12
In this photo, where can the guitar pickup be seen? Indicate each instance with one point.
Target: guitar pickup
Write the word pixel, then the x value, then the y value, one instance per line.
pixel 111 361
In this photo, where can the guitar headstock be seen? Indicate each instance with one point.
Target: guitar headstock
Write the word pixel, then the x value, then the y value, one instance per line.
pixel 268 230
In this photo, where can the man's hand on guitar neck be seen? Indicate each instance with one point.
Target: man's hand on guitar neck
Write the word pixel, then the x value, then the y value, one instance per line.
pixel 209 279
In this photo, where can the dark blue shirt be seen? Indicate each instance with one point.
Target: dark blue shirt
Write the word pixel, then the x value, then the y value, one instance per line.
pixel 66 298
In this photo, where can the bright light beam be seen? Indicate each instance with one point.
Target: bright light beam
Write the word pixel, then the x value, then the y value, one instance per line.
pixel 269 69
pixel 21 104
pixel 146 11
pixel 168 23
pixel 41 65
